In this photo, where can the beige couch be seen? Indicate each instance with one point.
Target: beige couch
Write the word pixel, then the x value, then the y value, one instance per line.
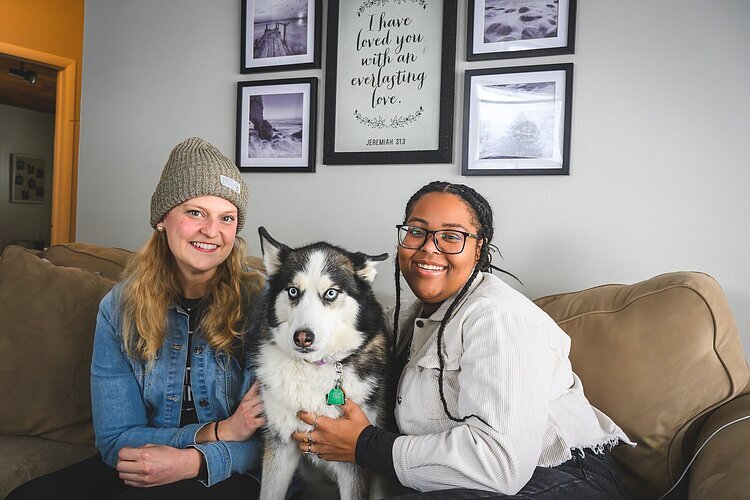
pixel 48 309
pixel 661 357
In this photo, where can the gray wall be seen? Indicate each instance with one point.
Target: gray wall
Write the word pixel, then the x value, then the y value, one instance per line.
pixel 30 133
pixel 659 163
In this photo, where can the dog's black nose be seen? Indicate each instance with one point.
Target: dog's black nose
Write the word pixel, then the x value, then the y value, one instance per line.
pixel 303 338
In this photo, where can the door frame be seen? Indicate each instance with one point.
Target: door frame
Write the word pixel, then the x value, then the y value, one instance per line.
pixel 65 161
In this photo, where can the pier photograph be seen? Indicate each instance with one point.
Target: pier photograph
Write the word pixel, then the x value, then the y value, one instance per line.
pixel 277 34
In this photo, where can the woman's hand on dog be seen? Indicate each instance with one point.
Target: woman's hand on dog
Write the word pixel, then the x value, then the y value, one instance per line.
pixel 156 465
pixel 333 439
pixel 246 419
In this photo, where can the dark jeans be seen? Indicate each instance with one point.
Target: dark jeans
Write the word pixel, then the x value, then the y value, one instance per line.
pixel 592 476
pixel 93 479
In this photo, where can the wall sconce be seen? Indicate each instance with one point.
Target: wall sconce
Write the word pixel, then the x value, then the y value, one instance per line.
pixel 27 74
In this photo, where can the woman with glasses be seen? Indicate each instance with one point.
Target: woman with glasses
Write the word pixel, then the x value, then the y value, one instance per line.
pixel 486 399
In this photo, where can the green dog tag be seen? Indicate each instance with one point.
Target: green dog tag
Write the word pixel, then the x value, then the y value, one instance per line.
pixel 335 397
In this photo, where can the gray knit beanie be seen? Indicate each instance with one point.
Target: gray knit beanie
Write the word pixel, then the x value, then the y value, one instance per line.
pixel 197 168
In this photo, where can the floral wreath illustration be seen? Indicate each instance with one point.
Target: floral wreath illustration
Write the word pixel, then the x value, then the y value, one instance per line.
pixel 396 122
pixel 373 3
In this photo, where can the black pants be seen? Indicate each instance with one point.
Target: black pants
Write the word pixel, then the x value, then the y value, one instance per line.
pixel 93 479
pixel 585 476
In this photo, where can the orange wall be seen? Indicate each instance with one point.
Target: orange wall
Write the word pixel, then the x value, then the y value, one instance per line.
pixel 51 26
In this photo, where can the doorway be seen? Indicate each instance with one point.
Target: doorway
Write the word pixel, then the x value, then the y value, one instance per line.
pixel 27 137
pixel 64 165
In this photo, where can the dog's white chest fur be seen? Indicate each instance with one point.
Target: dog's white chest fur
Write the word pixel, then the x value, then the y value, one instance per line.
pixel 292 384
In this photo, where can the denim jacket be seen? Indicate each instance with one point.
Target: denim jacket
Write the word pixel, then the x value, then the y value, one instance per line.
pixel 134 404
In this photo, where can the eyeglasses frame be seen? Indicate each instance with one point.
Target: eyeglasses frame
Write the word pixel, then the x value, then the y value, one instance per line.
pixel 434 238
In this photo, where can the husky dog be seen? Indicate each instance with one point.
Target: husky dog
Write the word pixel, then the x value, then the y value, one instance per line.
pixel 321 337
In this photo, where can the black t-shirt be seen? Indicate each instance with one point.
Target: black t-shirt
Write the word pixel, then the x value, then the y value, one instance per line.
pixel 194 309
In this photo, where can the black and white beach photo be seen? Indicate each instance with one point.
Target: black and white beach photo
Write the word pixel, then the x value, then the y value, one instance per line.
pixel 500 29
pixel 506 20
pixel 275 129
pixel 517 120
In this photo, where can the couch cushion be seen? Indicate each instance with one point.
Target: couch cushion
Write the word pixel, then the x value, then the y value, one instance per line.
pixel 47 322
pixel 655 356
pixel 106 261
pixel 23 458
pixel 722 468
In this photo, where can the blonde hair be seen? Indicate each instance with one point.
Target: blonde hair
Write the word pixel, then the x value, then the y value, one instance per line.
pixel 151 287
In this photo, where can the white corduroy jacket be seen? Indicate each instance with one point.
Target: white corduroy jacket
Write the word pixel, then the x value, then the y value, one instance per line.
pixel 507 362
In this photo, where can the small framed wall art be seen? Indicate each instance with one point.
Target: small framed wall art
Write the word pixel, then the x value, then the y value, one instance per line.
pixel 27 179
pixel 276 125
pixel 280 36
pixel 517 120
pixel 499 29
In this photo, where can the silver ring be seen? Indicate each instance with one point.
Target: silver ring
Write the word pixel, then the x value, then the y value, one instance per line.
pixel 315 422
pixel 309 447
pixel 309 438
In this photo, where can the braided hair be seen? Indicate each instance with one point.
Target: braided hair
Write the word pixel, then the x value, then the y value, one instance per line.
pixel 481 213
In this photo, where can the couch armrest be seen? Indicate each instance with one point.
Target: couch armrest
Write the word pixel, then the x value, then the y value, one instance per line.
pixel 722 469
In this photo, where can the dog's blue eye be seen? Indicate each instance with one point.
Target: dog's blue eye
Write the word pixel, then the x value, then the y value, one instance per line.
pixel 293 292
pixel 331 294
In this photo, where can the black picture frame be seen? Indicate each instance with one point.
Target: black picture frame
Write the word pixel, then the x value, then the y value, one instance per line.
pixel 541 28
pixel 416 123
pixel 517 120
pixel 276 125
pixel 304 53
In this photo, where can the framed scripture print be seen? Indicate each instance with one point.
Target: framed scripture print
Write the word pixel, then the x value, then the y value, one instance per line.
pixel 499 29
pixel 517 120
pixel 280 35
pixel 390 67
pixel 276 125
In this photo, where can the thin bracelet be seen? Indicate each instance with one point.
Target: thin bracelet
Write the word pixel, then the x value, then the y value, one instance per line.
pixel 216 431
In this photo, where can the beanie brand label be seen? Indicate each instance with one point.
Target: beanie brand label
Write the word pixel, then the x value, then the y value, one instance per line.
pixel 230 183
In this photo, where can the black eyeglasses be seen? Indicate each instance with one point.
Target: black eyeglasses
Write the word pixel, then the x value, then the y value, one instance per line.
pixel 447 241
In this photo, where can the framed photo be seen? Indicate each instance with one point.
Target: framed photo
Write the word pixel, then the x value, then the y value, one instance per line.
pixel 27 175
pixel 280 36
pixel 390 67
pixel 499 29
pixel 517 120
pixel 276 125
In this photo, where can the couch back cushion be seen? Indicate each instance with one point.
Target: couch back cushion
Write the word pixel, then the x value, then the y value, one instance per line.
pixel 655 356
pixel 107 261
pixel 47 321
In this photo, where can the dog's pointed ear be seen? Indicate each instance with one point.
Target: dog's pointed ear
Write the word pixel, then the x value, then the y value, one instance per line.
pixel 271 250
pixel 365 265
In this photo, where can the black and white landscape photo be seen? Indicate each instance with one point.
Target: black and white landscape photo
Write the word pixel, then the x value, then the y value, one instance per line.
pixel 500 29
pixel 275 128
pixel 517 121
pixel 508 20
pixel 280 28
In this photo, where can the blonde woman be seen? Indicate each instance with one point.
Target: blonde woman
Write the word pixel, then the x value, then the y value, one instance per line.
pixel 175 415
